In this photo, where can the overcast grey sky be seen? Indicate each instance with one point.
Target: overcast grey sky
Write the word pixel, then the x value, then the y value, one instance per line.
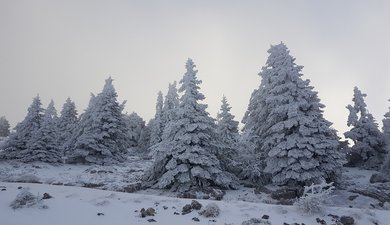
pixel 68 48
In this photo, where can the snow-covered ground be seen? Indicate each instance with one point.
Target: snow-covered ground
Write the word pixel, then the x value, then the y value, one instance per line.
pixel 113 178
pixel 80 206
pixel 75 204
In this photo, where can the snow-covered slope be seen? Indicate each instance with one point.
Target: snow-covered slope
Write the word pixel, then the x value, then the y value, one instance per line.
pixel 80 206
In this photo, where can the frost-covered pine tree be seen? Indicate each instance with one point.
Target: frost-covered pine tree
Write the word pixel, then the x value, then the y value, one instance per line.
pixel 66 124
pixel 43 146
pixel 227 127
pixel 135 125
pixel 227 131
pixel 171 102
pixel 252 157
pixel 100 136
pixel 386 127
pixel 4 127
pixel 186 158
pixel 156 128
pixel 17 141
pixel 369 143
pixel 299 144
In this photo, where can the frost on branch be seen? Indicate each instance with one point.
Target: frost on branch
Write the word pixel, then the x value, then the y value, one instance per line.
pixel 313 197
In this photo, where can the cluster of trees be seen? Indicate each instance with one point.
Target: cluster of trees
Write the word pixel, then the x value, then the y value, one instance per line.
pixel 285 139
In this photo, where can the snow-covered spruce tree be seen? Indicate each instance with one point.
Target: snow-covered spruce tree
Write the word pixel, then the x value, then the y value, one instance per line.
pixel 171 102
pixel 186 158
pixel 369 144
pixel 16 144
pixel 43 145
pixel 135 125
pixel 144 139
pixel 299 143
pixel 227 130
pixel 66 124
pixel 386 132
pixel 156 128
pixel 4 127
pixel 386 127
pixel 101 132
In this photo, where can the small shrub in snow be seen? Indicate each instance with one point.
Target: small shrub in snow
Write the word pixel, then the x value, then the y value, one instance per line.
pixel 210 210
pixel 313 197
pixel 25 199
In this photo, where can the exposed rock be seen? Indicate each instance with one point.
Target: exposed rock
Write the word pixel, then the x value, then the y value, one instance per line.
pixel 147 212
pixel 151 220
pixel 196 205
pixel 379 178
pixel 20 187
pixel 195 219
pixel 266 217
pixel 287 193
pixel 176 213
pixel 150 212
pixel 131 188
pixel 347 220
pixel 262 189
pixel 100 214
pixel 165 207
pixel 320 221
pixel 186 209
pixel 380 195
pixel 352 197
pixel 336 217
pixel 46 196
pixel 210 210
pixel 3 189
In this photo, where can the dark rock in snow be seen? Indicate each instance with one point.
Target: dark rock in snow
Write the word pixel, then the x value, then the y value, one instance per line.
pixel 334 216
pixel 196 205
pixel 352 197
pixel 195 219
pixel 151 220
pixel 347 220
pixel 147 212
pixel 266 217
pixel 46 196
pixel 165 207
pixel 150 212
pixel 320 221
pixel 20 187
pixel 379 178
pixel 176 213
pixel 3 189
pixel 100 214
pixel 186 209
